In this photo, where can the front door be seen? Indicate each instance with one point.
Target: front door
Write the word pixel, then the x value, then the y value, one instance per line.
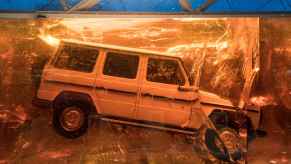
pixel 161 101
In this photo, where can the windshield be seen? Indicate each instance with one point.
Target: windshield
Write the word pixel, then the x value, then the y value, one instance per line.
pixel 223 75
pixel 217 72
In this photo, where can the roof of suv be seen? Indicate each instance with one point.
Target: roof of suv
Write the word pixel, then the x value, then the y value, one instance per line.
pixel 118 48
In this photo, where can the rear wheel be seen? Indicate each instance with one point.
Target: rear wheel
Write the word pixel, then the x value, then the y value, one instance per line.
pixel 71 121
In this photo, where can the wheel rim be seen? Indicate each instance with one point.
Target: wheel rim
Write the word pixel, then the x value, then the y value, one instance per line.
pixel 230 140
pixel 233 143
pixel 72 118
pixel 215 145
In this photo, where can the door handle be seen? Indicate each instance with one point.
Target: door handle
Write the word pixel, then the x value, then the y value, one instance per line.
pixel 157 97
pixel 99 87
pixel 147 94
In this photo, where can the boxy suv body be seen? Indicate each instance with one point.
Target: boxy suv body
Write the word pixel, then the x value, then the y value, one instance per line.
pixel 130 86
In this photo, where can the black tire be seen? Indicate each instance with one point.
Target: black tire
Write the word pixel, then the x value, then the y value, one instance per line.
pixel 211 138
pixel 210 146
pixel 205 145
pixel 236 151
pixel 63 128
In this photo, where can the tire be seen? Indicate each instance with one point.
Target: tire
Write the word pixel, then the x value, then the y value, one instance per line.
pixel 234 144
pixel 212 140
pixel 210 145
pixel 71 121
pixel 229 123
pixel 205 145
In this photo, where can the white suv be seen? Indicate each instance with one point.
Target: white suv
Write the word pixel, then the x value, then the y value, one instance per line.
pixel 130 86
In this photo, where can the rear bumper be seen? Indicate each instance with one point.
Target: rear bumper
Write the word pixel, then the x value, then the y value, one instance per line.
pixel 42 103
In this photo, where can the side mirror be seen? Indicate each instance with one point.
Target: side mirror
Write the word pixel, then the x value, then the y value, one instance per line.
pixel 187 88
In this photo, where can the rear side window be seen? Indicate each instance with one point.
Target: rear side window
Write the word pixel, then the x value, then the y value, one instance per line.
pixel 77 58
pixel 164 71
pixel 121 65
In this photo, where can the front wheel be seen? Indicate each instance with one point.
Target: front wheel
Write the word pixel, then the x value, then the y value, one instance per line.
pixel 234 143
pixel 223 145
pixel 71 121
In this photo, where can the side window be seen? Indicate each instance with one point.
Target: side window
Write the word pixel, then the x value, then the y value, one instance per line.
pixel 76 58
pixel 164 71
pixel 121 65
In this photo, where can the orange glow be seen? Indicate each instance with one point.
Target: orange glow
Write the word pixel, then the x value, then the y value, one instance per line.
pixel 262 100
pixel 50 40
pixel 219 46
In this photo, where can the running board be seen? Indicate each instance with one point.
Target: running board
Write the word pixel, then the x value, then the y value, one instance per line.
pixel 148 126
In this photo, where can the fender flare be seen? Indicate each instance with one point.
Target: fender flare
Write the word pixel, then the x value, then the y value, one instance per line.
pixel 228 120
pixel 217 116
pixel 69 97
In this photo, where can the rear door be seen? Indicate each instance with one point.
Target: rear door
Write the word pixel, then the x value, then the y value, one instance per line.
pixel 117 86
